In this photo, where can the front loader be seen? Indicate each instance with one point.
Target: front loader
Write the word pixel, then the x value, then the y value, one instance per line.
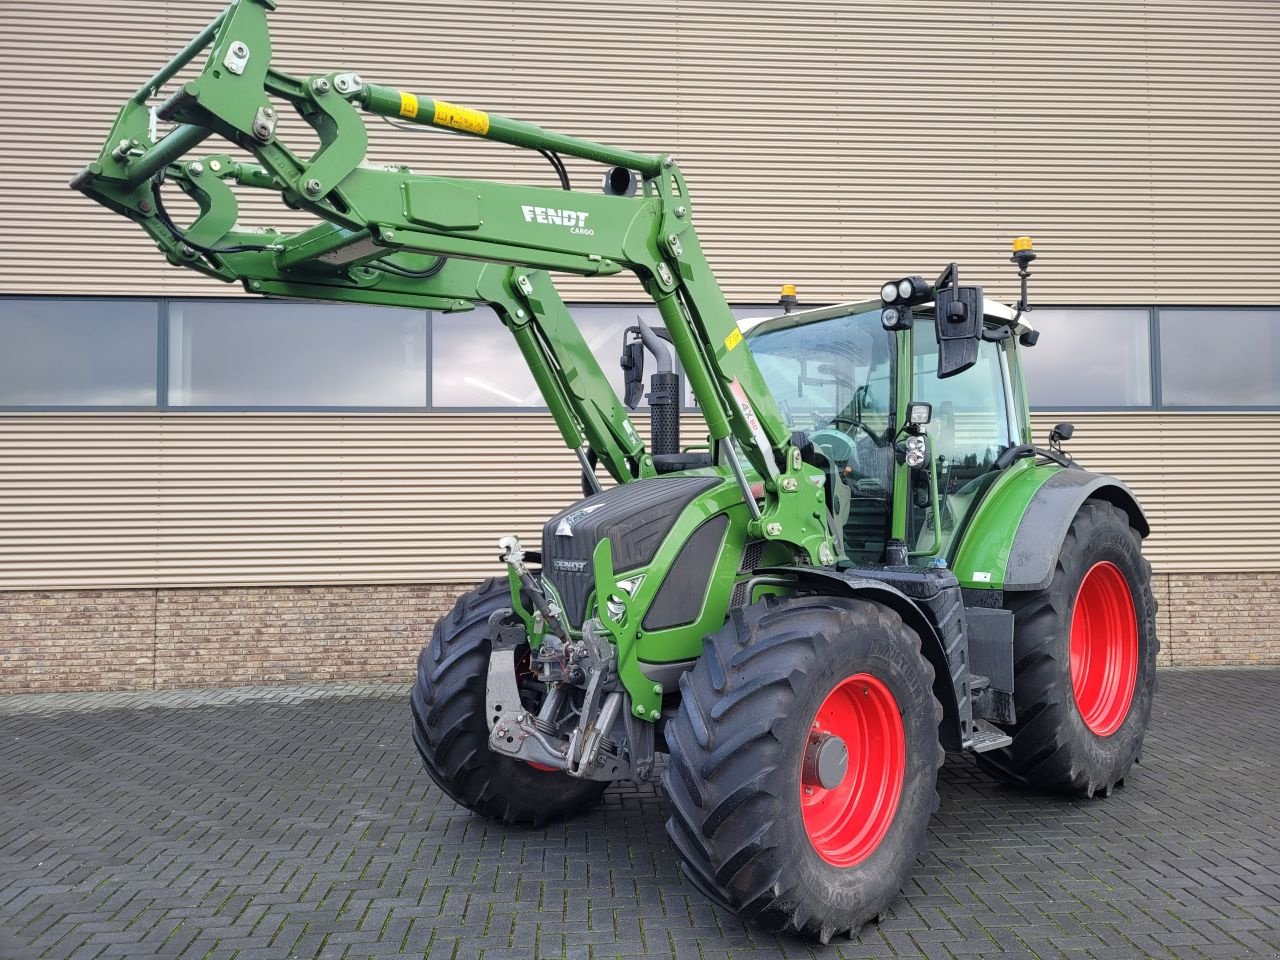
pixel 869 563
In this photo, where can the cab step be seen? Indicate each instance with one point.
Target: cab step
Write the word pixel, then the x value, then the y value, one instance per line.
pixel 987 736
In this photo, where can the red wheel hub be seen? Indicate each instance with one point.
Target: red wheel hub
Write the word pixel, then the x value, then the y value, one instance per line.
pixel 1104 649
pixel 846 821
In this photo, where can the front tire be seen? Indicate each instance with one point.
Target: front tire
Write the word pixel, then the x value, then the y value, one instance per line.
pixel 452 735
pixel 759 826
pixel 1084 663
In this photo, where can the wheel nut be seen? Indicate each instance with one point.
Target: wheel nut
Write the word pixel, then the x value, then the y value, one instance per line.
pixel 826 761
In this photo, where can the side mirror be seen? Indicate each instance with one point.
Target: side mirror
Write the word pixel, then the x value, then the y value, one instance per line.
pixel 1062 431
pixel 958 315
pixel 632 364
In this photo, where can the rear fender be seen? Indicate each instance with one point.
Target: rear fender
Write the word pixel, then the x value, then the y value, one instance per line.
pixel 1012 542
pixel 1033 552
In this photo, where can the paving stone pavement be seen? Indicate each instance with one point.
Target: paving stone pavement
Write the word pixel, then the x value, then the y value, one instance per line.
pixel 296 822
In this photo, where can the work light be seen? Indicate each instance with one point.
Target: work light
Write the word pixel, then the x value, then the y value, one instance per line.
pixel 895 318
pixel 904 293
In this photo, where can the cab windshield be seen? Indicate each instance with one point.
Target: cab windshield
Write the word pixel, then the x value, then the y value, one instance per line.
pixel 829 373
pixel 833 379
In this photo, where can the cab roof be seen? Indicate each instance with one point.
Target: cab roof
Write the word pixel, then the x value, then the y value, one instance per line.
pixel 753 326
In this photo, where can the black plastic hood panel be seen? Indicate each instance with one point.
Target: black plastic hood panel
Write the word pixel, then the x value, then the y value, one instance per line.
pixel 636 517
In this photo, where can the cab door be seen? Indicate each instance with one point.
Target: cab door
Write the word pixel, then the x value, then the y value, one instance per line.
pixel 975 419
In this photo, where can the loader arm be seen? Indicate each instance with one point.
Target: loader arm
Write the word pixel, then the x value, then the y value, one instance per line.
pixel 583 404
pixel 381 225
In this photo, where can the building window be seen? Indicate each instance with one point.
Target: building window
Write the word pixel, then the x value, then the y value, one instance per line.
pixel 475 361
pixel 78 353
pixel 1089 358
pixel 254 353
pixel 1219 358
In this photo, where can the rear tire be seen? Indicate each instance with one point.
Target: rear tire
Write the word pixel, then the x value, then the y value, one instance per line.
pixel 452 735
pixel 1084 663
pixel 754 831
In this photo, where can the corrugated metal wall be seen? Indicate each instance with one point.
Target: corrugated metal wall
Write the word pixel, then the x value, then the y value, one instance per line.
pixel 170 500
pixel 829 144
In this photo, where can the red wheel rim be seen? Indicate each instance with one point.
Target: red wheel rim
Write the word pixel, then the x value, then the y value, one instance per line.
pixel 846 823
pixel 1104 649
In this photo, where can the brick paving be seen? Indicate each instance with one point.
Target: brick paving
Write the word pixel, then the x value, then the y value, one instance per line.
pixel 295 822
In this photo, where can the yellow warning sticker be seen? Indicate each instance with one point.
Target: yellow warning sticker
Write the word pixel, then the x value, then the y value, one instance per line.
pixel 408 105
pixel 733 339
pixel 461 118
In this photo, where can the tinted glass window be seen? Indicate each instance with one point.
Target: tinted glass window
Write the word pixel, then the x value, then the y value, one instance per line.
pixel 1214 358
pixel 78 352
pixel 1089 358
pixel 834 379
pixel 255 353
pixel 829 373
pixel 475 361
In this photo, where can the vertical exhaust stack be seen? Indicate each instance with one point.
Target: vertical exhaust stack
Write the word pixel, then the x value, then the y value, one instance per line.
pixel 664 386
pixel 663 396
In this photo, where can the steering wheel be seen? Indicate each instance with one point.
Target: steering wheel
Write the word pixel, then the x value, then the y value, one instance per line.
pixel 857 425
pixel 835 445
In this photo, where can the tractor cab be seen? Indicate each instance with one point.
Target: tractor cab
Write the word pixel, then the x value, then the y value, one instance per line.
pixel 839 376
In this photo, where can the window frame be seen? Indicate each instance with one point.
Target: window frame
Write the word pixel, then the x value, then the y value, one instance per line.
pixel 162 313
pixel 167 407
pixel 162 306
pixel 1157 382
pixel 1153 361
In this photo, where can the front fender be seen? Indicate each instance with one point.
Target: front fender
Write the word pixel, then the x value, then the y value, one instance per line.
pixel 941 629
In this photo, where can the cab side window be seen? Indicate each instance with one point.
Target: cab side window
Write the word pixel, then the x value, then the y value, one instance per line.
pixel 970 429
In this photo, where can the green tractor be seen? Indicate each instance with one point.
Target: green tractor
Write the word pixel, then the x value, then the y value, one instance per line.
pixel 867 563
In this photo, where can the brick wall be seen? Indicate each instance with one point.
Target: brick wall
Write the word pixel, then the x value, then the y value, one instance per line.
pixel 1223 618
pixel 157 639
pixel 77 640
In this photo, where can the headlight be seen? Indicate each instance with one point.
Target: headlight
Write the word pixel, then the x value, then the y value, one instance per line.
pixel 905 289
pixel 889 292
pixel 889 318
pixel 614 605
pixel 915 452
pixel 615 608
